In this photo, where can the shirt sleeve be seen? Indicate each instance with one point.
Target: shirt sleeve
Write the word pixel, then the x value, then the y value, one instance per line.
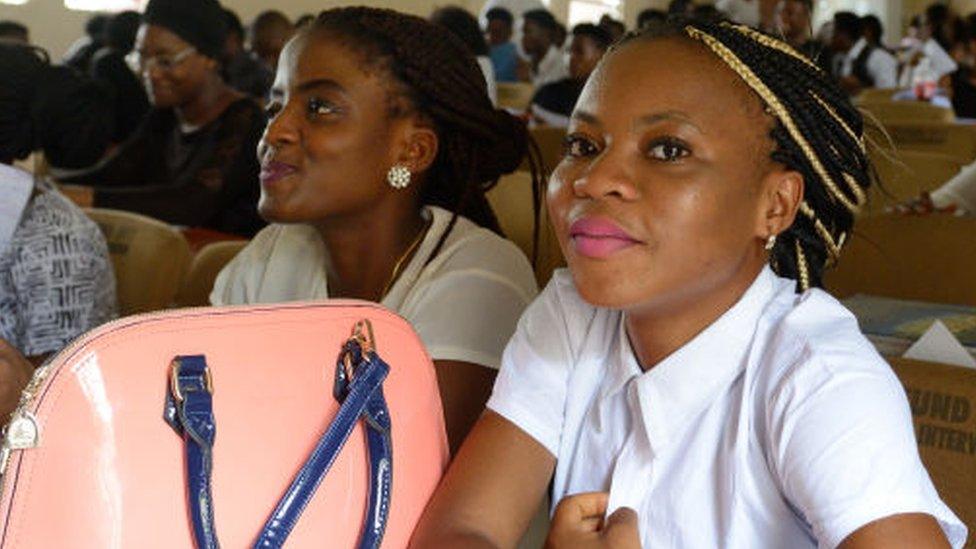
pixel 469 315
pixel 66 286
pixel 239 282
pixel 884 69
pixel 960 190
pixel 532 384
pixel 844 449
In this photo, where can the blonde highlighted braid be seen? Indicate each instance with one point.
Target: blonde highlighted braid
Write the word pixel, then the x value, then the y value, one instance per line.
pixel 817 133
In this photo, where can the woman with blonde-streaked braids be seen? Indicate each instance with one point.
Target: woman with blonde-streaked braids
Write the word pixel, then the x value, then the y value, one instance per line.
pixel 686 383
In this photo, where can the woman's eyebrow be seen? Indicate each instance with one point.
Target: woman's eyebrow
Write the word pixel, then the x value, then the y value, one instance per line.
pixel 583 116
pixel 666 116
pixel 318 83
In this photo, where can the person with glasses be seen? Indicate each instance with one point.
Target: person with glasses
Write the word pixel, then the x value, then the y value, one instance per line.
pixel 192 161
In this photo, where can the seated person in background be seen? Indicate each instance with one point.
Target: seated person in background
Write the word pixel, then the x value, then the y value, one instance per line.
pixel 242 70
pixel 192 162
pixel 463 25
pixel 963 80
pixel 794 20
pixel 928 54
pixel 616 29
pixel 503 52
pixel 14 32
pixel 109 66
pixel 860 65
pixel 539 40
pixel 381 143
pixel 269 32
pixel 56 280
pixel 686 383
pixel 82 51
pixel 553 103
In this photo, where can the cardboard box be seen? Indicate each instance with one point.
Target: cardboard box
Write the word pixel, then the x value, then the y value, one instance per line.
pixel 943 401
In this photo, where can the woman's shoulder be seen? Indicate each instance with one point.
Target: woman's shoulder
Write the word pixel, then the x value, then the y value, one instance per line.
pixel 811 342
pixel 476 251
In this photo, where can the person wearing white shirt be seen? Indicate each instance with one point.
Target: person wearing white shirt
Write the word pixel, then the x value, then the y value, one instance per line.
pixel 380 142
pixel 939 63
pixel 862 64
pixel 539 42
pixel 686 383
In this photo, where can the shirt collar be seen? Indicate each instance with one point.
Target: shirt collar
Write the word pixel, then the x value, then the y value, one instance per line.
pixel 857 49
pixel 676 390
pixel 16 187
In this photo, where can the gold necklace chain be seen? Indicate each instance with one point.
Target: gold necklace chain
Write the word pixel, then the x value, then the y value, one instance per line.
pixel 403 258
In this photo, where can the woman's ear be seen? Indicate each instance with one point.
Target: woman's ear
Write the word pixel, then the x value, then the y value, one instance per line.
pixel 418 147
pixel 781 197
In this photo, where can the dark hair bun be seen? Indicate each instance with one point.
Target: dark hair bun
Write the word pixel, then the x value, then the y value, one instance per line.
pixel 507 151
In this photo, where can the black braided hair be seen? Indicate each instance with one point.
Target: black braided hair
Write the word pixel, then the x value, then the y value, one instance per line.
pixel 817 132
pixel 441 81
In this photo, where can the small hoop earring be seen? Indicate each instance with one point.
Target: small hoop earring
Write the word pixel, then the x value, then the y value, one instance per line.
pixel 770 242
pixel 398 177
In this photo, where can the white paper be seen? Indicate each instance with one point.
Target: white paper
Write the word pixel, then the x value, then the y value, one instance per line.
pixel 938 344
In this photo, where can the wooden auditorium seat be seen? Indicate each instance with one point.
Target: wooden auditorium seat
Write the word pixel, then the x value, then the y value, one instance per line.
pixel 515 95
pixel 903 175
pixel 929 258
pixel 206 265
pixel 150 259
pixel 512 201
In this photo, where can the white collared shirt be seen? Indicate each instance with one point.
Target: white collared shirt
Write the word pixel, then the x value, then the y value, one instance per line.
pixel 940 62
pixel 777 426
pixel 881 65
pixel 552 68
pixel 464 304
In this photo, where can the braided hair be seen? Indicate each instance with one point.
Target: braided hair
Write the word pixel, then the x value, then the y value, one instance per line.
pixel 817 132
pixel 440 80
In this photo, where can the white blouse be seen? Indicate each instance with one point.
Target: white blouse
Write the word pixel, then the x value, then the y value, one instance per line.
pixel 464 304
pixel 777 426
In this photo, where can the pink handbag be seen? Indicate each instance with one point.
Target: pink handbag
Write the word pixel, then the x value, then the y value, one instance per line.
pixel 320 421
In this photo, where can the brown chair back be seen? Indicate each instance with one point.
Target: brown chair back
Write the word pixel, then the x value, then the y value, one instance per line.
pixel 943 402
pixel 150 259
pixel 206 265
pixel 511 200
pixel 515 95
pixel 956 140
pixel 904 175
pixel 929 258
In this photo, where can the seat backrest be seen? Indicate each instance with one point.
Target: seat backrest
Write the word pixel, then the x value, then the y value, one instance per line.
pixel 907 111
pixel 150 259
pixel 905 174
pixel 206 265
pixel 874 95
pixel 929 258
pixel 550 141
pixel 943 402
pixel 956 140
pixel 515 95
pixel 511 200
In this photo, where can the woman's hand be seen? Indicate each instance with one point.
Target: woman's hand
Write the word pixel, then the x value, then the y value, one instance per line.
pixel 578 523
pixel 920 205
pixel 15 372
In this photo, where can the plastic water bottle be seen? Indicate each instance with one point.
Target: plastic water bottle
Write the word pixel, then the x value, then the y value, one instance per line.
pixel 924 81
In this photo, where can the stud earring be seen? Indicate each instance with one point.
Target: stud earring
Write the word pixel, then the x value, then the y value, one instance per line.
pixel 398 177
pixel 770 242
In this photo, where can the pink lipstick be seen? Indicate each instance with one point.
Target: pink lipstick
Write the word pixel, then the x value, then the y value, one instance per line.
pixel 599 238
pixel 275 171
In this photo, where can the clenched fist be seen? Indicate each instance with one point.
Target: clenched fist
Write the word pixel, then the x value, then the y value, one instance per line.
pixel 578 524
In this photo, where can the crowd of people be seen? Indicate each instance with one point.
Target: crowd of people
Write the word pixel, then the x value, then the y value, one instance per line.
pixel 686 363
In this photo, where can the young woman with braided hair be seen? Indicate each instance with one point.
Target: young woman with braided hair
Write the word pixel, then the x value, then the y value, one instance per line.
pixel 686 383
pixel 381 145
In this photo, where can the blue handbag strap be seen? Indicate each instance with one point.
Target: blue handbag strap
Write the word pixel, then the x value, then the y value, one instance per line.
pixel 364 389
pixel 189 410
